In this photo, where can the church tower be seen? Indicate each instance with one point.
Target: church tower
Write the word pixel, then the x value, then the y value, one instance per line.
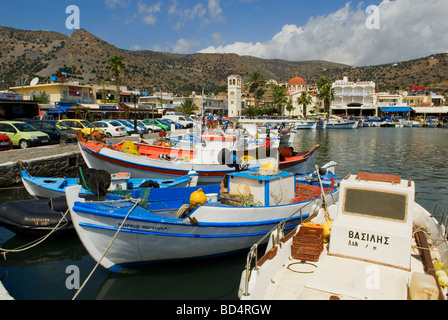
pixel 234 87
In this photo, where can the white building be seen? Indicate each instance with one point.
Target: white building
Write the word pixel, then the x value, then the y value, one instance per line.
pixel 355 98
pixel 234 89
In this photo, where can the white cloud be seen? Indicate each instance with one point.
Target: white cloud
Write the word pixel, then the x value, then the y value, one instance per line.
pixel 136 48
pixel 184 46
pixel 217 37
pixel 148 12
pixel 205 14
pixel 215 10
pixel 115 3
pixel 408 29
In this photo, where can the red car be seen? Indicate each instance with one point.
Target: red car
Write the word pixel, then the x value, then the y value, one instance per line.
pixel 5 142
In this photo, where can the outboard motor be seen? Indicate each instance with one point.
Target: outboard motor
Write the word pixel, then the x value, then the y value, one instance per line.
pixel 97 181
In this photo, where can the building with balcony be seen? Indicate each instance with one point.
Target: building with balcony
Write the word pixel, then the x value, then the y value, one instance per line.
pixel 353 98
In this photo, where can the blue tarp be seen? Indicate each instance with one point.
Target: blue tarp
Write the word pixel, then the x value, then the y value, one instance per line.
pixel 395 109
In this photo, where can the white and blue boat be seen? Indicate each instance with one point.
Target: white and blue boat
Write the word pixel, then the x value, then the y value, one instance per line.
pixel 120 184
pixel 335 122
pixel 167 227
pixel 305 124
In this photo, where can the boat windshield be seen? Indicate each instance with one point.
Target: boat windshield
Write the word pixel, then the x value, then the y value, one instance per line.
pixel 375 204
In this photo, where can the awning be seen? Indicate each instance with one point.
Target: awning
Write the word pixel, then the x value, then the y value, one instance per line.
pixel 430 109
pixel 395 109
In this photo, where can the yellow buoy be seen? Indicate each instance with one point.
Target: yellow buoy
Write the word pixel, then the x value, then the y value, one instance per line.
pixel 268 166
pixel 198 198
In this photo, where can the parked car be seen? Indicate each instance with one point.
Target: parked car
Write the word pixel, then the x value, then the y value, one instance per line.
pixel 151 128
pixel 81 125
pixel 158 123
pixel 58 132
pixel 185 121
pixel 170 122
pixel 5 142
pixel 23 135
pixel 112 128
pixel 130 126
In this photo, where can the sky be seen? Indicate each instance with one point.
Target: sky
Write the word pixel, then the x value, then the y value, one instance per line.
pixel 356 33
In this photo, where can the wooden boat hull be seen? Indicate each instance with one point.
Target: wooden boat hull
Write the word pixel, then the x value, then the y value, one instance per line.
pixel 149 236
pixel 97 156
pixel 47 187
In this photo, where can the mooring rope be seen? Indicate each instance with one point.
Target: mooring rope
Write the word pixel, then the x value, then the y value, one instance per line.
pixel 137 201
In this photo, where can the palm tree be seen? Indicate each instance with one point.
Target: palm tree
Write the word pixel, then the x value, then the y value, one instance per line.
pixel 116 65
pixel 304 99
pixel 256 83
pixel 326 92
pixel 289 106
pixel 280 98
pixel 187 107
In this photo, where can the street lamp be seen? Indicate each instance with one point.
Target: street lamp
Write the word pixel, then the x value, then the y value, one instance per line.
pixel 134 98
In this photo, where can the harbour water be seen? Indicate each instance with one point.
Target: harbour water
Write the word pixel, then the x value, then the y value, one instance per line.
pixel 44 272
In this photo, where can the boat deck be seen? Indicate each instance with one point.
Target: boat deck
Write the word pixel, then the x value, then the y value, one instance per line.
pixel 340 279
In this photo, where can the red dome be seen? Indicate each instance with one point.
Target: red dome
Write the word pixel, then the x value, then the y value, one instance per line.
pixel 296 81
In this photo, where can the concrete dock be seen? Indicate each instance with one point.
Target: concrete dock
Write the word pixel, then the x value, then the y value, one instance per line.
pixel 4 295
pixel 47 161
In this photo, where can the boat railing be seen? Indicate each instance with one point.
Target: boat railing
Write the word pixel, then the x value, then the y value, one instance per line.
pixel 253 252
pixel 443 218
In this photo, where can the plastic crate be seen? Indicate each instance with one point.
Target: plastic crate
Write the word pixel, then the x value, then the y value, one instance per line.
pixel 308 243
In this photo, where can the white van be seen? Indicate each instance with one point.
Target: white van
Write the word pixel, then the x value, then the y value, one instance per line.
pixel 185 121
pixel 174 113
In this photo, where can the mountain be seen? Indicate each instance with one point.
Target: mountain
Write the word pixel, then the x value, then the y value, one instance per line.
pixel 26 54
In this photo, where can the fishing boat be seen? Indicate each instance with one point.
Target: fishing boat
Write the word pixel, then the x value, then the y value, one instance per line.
pixel 376 242
pixel 118 183
pixel 143 160
pixel 196 222
pixel 305 124
pixel 335 122
pixel 416 123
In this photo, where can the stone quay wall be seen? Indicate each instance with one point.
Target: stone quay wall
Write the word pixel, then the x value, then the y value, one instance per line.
pixel 48 166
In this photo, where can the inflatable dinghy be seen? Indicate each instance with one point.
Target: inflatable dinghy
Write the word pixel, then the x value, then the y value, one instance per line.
pixel 35 217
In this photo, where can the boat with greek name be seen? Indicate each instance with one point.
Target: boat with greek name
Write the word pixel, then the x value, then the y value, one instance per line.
pixel 195 222
pixel 376 242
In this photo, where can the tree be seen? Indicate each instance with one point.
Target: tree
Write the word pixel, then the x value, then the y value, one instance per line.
pixel 304 99
pixel 116 66
pixel 187 107
pixel 42 99
pixel 256 83
pixel 289 106
pixel 326 92
pixel 280 98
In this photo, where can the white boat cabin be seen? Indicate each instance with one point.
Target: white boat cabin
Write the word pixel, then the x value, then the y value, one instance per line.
pixel 374 220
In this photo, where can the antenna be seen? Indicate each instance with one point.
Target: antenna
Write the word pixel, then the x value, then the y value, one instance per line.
pixel 34 82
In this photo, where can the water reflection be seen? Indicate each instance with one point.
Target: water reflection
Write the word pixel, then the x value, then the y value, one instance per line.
pixel 417 153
